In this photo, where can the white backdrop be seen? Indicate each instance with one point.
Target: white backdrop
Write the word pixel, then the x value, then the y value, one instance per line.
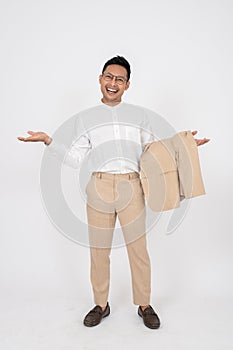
pixel 52 53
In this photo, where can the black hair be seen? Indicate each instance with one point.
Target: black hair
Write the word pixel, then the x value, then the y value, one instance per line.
pixel 121 61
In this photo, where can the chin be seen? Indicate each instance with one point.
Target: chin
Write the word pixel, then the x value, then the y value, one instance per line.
pixel 112 98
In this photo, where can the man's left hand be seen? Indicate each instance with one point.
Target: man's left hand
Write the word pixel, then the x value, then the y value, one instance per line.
pixel 200 142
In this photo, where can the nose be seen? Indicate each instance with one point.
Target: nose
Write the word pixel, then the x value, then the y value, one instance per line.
pixel 113 81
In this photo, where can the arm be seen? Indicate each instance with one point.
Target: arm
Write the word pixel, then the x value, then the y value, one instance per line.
pixel 146 133
pixel 72 156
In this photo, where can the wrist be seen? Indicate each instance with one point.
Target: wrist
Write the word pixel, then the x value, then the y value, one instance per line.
pixel 47 140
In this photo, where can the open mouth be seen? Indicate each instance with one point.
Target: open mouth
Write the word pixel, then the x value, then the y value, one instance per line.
pixel 111 91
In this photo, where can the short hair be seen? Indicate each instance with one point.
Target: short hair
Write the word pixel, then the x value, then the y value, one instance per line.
pixel 121 61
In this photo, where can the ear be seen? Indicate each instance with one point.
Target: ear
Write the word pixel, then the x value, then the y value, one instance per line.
pixel 127 85
pixel 100 78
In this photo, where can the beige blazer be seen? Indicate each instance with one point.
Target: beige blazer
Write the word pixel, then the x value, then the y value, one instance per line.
pixel 170 171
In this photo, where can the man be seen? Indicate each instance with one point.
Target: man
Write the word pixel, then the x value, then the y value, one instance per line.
pixel 114 188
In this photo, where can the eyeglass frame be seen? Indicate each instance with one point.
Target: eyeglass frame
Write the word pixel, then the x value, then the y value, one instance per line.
pixel 114 76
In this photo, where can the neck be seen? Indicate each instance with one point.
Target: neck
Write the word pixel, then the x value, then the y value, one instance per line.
pixel 110 103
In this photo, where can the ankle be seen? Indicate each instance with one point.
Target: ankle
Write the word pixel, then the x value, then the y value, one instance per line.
pixel 103 307
pixel 143 307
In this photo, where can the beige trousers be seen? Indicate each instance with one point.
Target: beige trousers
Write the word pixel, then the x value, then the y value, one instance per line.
pixel 109 196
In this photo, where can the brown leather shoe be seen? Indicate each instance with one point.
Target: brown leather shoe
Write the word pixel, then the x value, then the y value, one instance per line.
pixel 149 316
pixel 95 315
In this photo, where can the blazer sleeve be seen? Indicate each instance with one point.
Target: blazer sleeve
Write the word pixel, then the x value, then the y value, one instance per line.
pixel 188 165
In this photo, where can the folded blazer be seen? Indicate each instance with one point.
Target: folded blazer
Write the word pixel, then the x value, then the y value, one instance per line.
pixel 170 171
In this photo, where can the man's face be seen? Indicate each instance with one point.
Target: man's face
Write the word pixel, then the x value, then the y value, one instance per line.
pixel 113 88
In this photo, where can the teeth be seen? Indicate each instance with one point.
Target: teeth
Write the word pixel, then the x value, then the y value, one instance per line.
pixel 111 90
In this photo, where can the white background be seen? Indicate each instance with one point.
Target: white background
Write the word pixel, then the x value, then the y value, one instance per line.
pixel 52 53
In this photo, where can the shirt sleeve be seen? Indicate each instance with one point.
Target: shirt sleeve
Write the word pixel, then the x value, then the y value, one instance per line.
pixel 146 133
pixel 74 155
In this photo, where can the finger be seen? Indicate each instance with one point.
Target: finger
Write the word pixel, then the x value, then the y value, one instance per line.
pixel 31 132
pixel 199 142
pixel 194 132
pixel 205 140
pixel 202 142
pixel 26 139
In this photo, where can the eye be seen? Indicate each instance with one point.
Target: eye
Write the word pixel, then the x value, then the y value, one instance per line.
pixel 108 77
pixel 120 80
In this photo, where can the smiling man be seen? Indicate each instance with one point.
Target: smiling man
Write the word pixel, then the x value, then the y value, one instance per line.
pixel 113 135
pixel 114 81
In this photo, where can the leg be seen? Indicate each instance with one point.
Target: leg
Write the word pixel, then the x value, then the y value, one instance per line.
pixel 133 223
pixel 100 227
pixel 140 271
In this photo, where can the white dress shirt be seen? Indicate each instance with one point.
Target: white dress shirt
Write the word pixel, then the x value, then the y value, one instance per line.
pixel 110 138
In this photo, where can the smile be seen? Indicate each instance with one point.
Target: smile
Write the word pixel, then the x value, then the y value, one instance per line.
pixel 111 91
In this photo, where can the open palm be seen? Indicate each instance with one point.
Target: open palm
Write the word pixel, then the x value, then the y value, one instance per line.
pixel 35 136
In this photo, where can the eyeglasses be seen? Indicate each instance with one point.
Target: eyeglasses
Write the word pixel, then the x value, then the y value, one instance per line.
pixel 109 77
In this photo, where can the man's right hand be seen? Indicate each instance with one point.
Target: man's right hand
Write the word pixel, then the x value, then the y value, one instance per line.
pixel 38 136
